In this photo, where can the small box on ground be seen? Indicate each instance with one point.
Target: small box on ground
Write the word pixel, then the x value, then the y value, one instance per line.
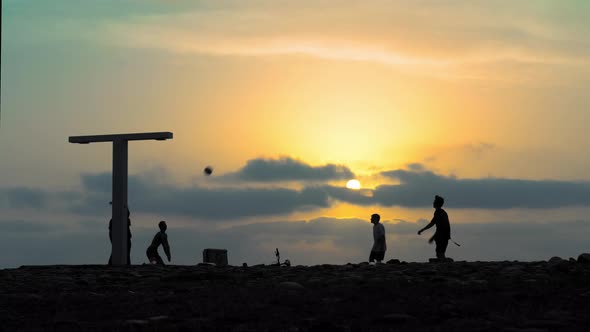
pixel 216 256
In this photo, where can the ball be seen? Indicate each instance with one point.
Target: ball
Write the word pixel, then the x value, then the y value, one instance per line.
pixel 208 170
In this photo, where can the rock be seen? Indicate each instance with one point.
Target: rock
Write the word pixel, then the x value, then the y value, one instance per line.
pixel 559 315
pixel 356 278
pixel 393 261
pixel 428 272
pixel 398 318
pixel 206 264
pixel 438 279
pixel 436 260
pixel 555 259
pixel 66 326
pixel 448 310
pixel 512 271
pixel 137 322
pixel 159 318
pixel 463 296
pixel 291 285
pixel 244 264
pixel 315 282
pixel 584 258
pixel 544 323
pixel 478 284
pixel 562 266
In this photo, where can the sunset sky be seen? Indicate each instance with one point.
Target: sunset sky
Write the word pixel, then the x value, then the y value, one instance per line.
pixel 485 103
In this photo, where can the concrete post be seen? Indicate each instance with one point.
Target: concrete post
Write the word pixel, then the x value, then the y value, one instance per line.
pixel 120 229
pixel 119 213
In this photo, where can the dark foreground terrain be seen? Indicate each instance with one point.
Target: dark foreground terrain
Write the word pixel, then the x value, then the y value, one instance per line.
pixel 460 296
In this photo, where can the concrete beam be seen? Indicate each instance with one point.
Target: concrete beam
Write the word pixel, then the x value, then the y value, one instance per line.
pixel 159 136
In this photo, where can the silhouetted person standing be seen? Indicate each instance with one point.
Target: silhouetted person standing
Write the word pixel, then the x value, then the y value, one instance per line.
pixel 443 228
pixel 128 238
pixel 159 238
pixel 379 245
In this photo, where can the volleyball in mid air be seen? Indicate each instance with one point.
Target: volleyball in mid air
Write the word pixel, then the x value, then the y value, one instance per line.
pixel 208 170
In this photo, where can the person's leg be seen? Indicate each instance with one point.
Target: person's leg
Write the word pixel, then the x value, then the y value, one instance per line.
pixel 152 254
pixel 441 248
pixel 379 256
pixel 128 251
pixel 372 257
pixel 159 260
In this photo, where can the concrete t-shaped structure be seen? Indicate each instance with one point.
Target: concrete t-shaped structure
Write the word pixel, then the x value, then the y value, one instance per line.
pixel 119 199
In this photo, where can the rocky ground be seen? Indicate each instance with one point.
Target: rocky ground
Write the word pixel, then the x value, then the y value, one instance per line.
pixel 459 296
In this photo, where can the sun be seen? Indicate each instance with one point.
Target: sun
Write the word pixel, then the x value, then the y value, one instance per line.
pixel 353 184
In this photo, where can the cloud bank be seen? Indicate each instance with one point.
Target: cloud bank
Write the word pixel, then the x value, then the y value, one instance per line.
pixel 400 35
pixel 289 169
pixel 484 193
pixel 416 188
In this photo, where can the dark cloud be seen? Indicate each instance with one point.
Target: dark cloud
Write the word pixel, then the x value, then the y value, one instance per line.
pixel 358 197
pixel 19 198
pixel 230 203
pixel 417 189
pixel 217 203
pixel 102 183
pixel 289 169
pixel 416 167
pixel 22 226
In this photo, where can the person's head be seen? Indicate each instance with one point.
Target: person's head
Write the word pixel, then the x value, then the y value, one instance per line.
pixel 375 218
pixel 438 202
pixel 162 226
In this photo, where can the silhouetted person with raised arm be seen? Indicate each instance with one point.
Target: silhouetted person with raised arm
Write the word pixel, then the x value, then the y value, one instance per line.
pixel 379 245
pixel 159 238
pixel 128 238
pixel 443 228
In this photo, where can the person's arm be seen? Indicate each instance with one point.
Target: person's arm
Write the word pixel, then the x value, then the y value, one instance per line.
pixel 381 234
pixel 166 246
pixel 432 223
pixel 431 239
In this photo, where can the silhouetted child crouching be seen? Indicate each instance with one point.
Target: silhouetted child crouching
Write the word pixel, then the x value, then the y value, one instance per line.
pixel 159 238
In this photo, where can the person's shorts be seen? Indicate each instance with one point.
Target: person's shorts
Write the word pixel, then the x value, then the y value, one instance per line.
pixel 376 255
pixel 152 254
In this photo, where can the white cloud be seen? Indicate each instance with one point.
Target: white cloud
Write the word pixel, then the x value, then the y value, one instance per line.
pixel 407 36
